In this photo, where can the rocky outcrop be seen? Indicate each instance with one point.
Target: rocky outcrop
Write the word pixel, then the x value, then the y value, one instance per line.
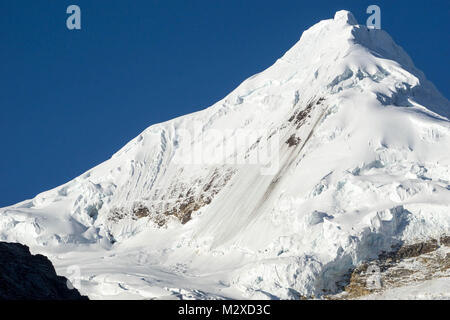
pixel 179 202
pixel 406 264
pixel 24 276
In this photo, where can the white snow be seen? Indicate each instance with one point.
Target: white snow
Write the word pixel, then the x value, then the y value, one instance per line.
pixel 434 289
pixel 371 169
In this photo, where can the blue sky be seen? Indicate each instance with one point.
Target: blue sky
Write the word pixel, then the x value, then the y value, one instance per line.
pixel 70 99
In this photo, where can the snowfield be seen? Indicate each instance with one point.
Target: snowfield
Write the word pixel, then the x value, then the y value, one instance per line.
pixel 338 151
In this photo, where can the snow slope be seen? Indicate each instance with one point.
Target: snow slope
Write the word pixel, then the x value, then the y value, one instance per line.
pixel 434 289
pixel 337 151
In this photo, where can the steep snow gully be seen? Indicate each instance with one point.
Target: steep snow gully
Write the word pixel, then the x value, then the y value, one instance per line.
pixel 335 153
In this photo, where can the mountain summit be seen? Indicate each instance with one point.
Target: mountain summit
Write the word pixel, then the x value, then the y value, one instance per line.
pixel 336 153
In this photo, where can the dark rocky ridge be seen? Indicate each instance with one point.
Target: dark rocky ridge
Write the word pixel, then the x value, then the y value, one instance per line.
pixel 424 264
pixel 24 276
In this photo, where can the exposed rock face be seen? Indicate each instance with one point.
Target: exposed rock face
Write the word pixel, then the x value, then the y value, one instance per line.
pixel 414 250
pixel 293 141
pixel 24 276
pixel 180 201
pixel 407 264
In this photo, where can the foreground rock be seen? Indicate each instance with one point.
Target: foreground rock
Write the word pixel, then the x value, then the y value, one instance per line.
pixel 24 276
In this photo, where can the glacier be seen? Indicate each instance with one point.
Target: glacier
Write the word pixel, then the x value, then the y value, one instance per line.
pixel 335 153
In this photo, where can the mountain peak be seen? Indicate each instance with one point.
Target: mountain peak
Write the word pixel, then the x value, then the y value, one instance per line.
pixel 307 169
pixel 346 17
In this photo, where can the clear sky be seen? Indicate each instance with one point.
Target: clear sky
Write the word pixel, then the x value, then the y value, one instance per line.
pixel 70 99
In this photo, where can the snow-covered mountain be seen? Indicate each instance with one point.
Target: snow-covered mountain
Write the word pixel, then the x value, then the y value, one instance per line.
pixel 337 152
